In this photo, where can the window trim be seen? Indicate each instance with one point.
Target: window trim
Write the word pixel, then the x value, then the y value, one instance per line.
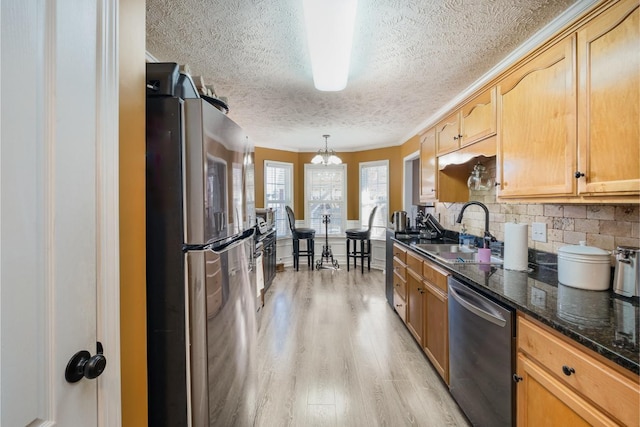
pixel 307 219
pixel 361 165
pixel 284 165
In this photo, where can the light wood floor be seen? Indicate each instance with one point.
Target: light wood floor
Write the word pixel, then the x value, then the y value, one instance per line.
pixel 333 353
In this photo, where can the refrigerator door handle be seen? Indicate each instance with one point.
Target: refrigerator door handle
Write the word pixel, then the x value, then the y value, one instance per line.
pixel 233 242
pixel 219 248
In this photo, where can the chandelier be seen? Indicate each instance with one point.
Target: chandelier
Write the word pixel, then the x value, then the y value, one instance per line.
pixel 326 156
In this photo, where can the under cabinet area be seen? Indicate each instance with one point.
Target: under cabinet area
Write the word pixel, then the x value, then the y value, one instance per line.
pixel 573 387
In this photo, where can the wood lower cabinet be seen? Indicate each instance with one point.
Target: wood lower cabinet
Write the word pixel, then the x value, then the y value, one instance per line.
pixel 436 329
pixel 427 314
pixel 543 400
pixel 564 384
pixel 415 304
pixel 609 102
pixel 399 278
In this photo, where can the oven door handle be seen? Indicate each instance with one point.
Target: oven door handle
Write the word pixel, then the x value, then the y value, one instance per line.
pixel 490 317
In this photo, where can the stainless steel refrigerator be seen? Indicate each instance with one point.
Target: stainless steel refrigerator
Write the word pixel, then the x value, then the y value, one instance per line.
pixel 201 286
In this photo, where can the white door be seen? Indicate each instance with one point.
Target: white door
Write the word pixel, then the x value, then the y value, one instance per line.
pixel 52 210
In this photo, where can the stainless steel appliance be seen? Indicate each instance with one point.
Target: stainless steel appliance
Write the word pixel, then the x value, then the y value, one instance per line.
pixel 268 217
pixel 626 279
pixel 201 287
pixel 399 221
pixel 481 358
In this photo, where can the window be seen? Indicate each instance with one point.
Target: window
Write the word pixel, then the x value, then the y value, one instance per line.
pixel 326 192
pixel 278 192
pixel 374 191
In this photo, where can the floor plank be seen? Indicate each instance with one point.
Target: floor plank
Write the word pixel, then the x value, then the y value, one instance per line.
pixel 333 353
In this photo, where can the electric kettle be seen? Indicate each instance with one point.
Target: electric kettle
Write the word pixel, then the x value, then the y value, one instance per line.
pixel 626 280
pixel 399 221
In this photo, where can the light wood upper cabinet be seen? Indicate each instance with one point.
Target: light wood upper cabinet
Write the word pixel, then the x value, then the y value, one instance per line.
pixel 537 126
pixel 475 121
pixel 609 101
pixel 428 167
pixel 448 134
pixel 478 118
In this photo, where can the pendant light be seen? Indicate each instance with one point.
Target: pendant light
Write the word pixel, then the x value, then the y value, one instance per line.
pixel 326 156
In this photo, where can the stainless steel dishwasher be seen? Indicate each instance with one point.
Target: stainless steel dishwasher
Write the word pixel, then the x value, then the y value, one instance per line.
pixel 481 361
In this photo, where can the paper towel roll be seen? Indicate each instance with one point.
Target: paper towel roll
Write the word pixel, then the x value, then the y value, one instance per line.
pixel 516 252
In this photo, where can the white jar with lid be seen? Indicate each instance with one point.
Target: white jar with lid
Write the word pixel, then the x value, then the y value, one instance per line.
pixel 584 267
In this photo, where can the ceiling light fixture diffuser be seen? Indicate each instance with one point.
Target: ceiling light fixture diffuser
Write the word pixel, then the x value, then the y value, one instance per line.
pixel 330 26
pixel 326 156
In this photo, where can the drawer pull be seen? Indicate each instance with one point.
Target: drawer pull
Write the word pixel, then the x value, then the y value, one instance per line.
pixel 517 378
pixel 568 371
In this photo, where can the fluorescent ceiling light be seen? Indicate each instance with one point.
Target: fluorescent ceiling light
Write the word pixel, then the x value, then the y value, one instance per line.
pixel 330 35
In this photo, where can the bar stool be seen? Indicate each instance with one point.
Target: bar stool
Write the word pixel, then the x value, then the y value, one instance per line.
pixel 364 236
pixel 298 234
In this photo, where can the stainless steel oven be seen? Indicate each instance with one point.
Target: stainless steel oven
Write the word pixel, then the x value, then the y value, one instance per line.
pixel 481 356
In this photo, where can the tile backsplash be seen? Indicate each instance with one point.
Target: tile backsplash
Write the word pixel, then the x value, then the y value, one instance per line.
pixel 604 226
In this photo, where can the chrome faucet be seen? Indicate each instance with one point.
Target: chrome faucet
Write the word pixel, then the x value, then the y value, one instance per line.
pixel 488 237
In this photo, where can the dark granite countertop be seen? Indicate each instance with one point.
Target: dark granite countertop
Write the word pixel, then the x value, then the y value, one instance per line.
pixel 600 320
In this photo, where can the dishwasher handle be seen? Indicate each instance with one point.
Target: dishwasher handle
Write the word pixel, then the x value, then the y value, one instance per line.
pixel 496 320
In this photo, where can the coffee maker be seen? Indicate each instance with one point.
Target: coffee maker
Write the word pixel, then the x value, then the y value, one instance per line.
pixel 626 280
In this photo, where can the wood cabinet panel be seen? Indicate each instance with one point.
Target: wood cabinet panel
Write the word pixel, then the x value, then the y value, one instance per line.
pixel 616 394
pixel 415 305
pixel 399 268
pixel 435 275
pixel 400 305
pixel 414 262
pixel 609 101
pixel 543 401
pixel 400 253
pixel 400 285
pixel 428 166
pixel 436 329
pixel 537 125
pixel 448 134
pixel 478 118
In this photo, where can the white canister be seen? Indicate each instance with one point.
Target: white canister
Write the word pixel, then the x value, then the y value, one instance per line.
pixel 584 267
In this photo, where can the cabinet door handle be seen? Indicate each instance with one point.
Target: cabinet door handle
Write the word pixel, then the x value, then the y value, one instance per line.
pixel 578 174
pixel 517 378
pixel 568 370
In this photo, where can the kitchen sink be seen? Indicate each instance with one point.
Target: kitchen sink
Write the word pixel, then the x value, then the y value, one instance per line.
pixel 444 247
pixel 454 254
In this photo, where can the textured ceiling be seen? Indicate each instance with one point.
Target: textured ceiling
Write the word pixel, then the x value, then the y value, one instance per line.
pixel 410 58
